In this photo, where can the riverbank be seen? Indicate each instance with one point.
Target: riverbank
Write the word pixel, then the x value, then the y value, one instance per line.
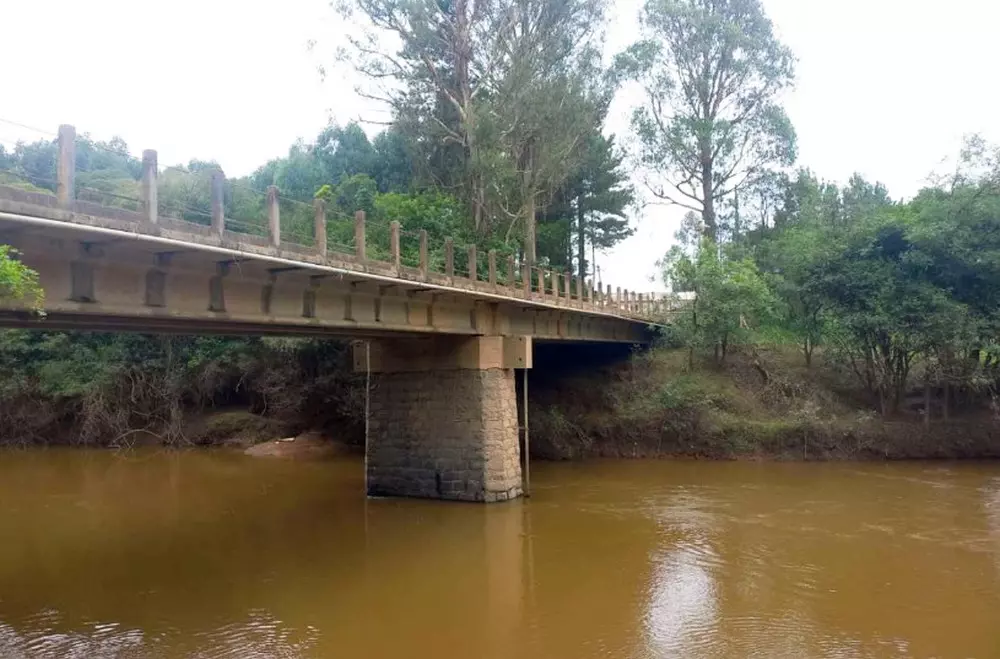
pixel 91 389
pixel 764 405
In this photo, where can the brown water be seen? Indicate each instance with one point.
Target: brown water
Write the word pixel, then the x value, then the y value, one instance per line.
pixel 211 554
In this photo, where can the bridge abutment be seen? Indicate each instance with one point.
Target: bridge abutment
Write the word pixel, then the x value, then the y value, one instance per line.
pixel 443 418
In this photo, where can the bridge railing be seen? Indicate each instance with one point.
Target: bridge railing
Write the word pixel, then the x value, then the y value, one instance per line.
pixel 312 232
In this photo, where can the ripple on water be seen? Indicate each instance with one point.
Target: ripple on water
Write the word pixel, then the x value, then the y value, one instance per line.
pixel 260 636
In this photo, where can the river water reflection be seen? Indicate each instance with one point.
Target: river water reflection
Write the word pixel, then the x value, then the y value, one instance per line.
pixel 211 554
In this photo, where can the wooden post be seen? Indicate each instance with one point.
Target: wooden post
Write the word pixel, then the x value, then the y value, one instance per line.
pixel 394 256
pixel 511 277
pixel 473 263
pixel 359 236
pixel 449 257
pixel 66 167
pixel 273 216
pixel 424 258
pixel 319 226
pixel 149 190
pixel 218 187
pixel 491 264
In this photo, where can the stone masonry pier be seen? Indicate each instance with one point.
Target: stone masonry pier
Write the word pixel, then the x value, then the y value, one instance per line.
pixel 443 420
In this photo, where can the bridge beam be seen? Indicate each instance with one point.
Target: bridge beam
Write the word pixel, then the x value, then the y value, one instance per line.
pixel 443 418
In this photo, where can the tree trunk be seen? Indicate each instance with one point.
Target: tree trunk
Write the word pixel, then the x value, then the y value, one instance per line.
pixel 708 212
pixel 927 400
pixel 581 237
pixel 528 196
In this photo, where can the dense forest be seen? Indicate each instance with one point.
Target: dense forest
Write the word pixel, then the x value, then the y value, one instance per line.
pixel 498 139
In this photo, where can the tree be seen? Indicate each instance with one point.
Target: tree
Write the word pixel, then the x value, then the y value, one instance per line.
pixel 504 88
pixel 711 126
pixel 601 193
pixel 732 301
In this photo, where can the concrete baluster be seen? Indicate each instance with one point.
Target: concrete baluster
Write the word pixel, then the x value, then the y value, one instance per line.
pixel 424 257
pixel 449 257
pixel 66 167
pixel 217 188
pixel 473 263
pixel 319 226
pixel 150 203
pixel 273 216
pixel 510 272
pixel 578 288
pixel 526 280
pixel 394 256
pixel 491 258
pixel 360 248
pixel 609 298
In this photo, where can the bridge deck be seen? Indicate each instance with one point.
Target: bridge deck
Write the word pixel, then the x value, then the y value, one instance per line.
pixel 112 268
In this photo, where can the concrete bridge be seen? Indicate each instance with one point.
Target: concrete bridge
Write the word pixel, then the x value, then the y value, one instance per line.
pixel 444 346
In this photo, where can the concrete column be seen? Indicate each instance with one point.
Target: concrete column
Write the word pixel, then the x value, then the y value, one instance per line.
pixel 473 262
pixel 360 250
pixel 217 191
pixel 394 256
pixel 273 216
pixel 444 421
pixel 149 191
pixel 491 264
pixel 424 256
pixel 319 226
pixel 66 166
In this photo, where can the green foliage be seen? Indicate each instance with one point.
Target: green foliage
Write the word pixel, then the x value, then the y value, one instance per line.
pixel 17 281
pixel 102 388
pixel 732 301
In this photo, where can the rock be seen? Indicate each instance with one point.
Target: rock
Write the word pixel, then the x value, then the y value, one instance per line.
pixel 306 445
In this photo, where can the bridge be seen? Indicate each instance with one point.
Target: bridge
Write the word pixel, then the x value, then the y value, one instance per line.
pixel 443 344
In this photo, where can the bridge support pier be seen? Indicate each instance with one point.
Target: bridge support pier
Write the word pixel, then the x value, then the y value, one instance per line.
pixel 443 418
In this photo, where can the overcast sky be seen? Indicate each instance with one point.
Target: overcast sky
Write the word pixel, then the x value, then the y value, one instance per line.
pixel 885 87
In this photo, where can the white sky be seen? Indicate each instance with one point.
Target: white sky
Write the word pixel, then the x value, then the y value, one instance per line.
pixel 885 87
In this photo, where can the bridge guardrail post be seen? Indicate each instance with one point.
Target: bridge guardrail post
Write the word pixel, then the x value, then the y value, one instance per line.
pixel 526 280
pixel 273 216
pixel 150 201
pixel 66 167
pixel 473 263
pixel 360 250
pixel 491 263
pixel 217 191
pixel 578 288
pixel 394 256
pixel 424 258
pixel 319 226
pixel 511 274
pixel 449 258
